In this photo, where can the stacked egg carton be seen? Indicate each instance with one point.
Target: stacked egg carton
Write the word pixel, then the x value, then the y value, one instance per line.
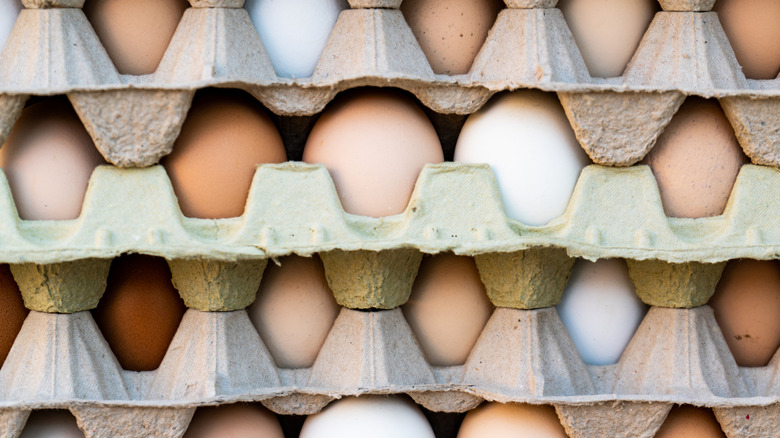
pixel 678 354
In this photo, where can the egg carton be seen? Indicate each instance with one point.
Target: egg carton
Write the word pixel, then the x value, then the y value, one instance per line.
pixel 134 120
pixel 675 356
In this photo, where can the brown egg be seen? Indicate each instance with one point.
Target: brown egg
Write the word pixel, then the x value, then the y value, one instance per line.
pixel 226 135
pixel 240 420
pixel 140 311
pixel 48 160
pixel 608 32
pixel 448 308
pixel 451 32
pixel 696 160
pixel 512 420
pixel 12 311
pixel 751 26
pixel 294 310
pixel 747 308
pixel 374 143
pixel 690 422
pixel 135 33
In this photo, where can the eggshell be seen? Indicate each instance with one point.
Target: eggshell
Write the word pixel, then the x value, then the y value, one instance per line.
pixel 608 32
pixel 696 160
pixel 527 140
pixel 690 422
pixel 294 32
pixel 140 311
pixel 294 310
pixel 747 307
pixel 374 416
pixel 600 310
pixel 135 33
pixel 12 311
pixel 48 159
pixel 9 10
pixel 241 420
pixel 227 133
pixel 451 32
pixel 374 144
pixel 751 26
pixel 512 420
pixel 448 308
pixel 51 424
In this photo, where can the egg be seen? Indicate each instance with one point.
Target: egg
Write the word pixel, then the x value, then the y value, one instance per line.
pixel 12 311
pixel 529 144
pixel 135 33
pixel 374 143
pixel 600 310
pixel 512 420
pixel 294 310
pixel 51 424
pixel 747 307
pixel 608 32
pixel 9 10
pixel 448 308
pixel 696 160
pixel 139 312
pixel 451 32
pixel 240 420
pixel 294 32
pixel 48 159
pixel 227 133
pixel 375 416
pixel 690 422
pixel 751 26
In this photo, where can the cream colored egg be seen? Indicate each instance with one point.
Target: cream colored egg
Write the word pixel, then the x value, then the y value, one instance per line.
pixel 690 422
pixel 448 308
pixel 375 416
pixel 374 143
pixel 227 133
pixel 9 10
pixel 751 26
pixel 526 139
pixel 600 310
pixel 608 32
pixel 451 32
pixel 696 160
pixel 51 424
pixel 512 420
pixel 48 160
pixel 294 310
pixel 135 33
pixel 240 420
pixel 747 307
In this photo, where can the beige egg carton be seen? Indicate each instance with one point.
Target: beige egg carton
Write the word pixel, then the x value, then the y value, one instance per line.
pixel 134 120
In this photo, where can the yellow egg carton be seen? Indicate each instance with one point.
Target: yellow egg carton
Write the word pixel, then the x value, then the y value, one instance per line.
pixel 678 354
pixel 134 120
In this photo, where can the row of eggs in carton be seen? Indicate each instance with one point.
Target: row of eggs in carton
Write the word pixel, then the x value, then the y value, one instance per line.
pixel 137 34
pixel 135 124
pixel 374 144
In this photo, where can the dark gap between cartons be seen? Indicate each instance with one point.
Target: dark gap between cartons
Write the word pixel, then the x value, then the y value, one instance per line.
pixel 444 424
pixel 291 424
pixel 294 131
pixel 448 128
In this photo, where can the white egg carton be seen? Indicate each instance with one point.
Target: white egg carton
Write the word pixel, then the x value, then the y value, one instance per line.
pixel 134 120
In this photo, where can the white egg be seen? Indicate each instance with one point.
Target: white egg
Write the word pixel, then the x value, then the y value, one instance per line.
pixel 9 10
pixel 374 416
pixel 294 32
pixel 527 140
pixel 600 310
pixel 51 424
